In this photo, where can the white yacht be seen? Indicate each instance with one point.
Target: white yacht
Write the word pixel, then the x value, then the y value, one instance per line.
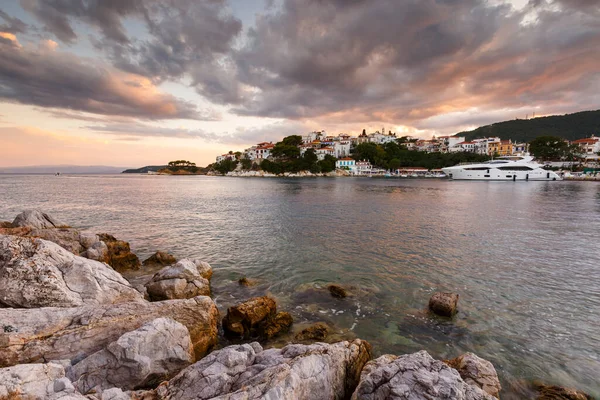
pixel 510 168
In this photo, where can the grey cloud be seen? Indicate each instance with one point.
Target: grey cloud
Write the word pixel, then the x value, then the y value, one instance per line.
pixel 240 136
pixel 61 80
pixel 105 15
pixel 12 24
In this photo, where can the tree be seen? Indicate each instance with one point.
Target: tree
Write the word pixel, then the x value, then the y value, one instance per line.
pixel 225 166
pixel 327 164
pixel 246 163
pixel 293 140
pixel 551 148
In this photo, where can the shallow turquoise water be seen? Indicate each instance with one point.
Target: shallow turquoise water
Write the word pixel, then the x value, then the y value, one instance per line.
pixel 524 256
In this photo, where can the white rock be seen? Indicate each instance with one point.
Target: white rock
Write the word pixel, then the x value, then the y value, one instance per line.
pixel 319 371
pixel 39 273
pixel 32 335
pixel 477 371
pixel 416 377
pixel 36 219
pixel 138 359
pixel 182 280
pixel 36 381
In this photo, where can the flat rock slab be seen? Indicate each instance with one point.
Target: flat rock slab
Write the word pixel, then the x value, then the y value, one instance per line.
pixel 40 273
pixel 319 371
pixel 34 335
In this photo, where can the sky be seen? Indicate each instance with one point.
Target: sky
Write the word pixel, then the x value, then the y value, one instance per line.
pixel 143 82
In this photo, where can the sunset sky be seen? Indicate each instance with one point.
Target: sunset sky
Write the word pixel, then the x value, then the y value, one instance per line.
pixel 137 82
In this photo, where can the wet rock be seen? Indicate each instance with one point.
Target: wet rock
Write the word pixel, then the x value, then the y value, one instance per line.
pixel 39 273
pixel 36 381
pixel 180 281
pixel 159 258
pixel 120 256
pixel 246 282
pixel 244 320
pixel 318 331
pixel 75 333
pixel 280 323
pixel 36 219
pixel 444 304
pixel 477 371
pixel 318 371
pixel 337 291
pixel 141 358
pixel 414 376
pixel 549 392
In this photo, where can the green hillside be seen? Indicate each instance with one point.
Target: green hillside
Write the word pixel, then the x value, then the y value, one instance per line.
pixel 568 126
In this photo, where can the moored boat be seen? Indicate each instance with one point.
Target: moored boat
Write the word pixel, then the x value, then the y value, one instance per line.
pixel 510 168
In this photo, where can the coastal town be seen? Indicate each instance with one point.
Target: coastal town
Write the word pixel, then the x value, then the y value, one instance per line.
pixel 343 147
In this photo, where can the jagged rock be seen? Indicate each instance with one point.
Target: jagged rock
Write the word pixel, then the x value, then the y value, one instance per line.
pixel 75 333
pixel 318 331
pixel 39 273
pixel 549 392
pixel 337 291
pixel 36 219
pixel 318 371
pixel 141 358
pixel 477 371
pixel 272 327
pixel 444 304
pixel 36 381
pixel 245 319
pixel 179 281
pixel 120 256
pixel 414 376
pixel 159 258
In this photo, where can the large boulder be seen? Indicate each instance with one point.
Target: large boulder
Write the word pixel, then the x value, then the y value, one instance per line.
pixel 477 371
pixel 444 304
pixel 414 376
pixel 141 358
pixel 120 256
pixel 256 318
pixel 33 335
pixel 160 258
pixel 319 371
pixel 39 273
pixel 182 280
pixel 36 381
pixel 36 219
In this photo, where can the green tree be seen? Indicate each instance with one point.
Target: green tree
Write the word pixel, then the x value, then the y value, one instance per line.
pixel 246 164
pixel 551 148
pixel 225 166
pixel 327 164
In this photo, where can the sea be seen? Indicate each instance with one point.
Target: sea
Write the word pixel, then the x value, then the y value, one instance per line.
pixel 523 256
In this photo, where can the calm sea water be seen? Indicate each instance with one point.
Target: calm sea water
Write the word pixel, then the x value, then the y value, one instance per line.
pixel 524 256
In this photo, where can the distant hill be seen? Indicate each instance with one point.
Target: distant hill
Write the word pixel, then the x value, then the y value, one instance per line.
pixel 63 169
pixel 144 170
pixel 568 126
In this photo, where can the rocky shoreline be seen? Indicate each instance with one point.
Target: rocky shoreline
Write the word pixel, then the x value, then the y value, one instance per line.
pixel 73 327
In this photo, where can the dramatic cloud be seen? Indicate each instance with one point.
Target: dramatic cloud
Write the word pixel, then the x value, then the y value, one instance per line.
pixel 376 60
pixel 47 78
pixel 11 24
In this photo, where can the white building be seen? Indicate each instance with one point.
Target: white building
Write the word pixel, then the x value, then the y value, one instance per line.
pixel 469 147
pixel 341 148
pixel 588 147
pixel 311 137
pixel 382 138
pixel 324 151
pixel 224 157
pixel 346 163
pixel 363 167
pixel 259 152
